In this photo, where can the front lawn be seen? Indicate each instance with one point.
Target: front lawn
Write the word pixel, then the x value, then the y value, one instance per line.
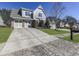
pixel 54 32
pixel 75 38
pixel 4 33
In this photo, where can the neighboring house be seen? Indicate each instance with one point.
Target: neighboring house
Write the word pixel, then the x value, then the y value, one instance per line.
pixel 2 22
pixel 52 25
pixel 52 22
pixel 66 24
pixel 55 23
pixel 76 25
pixel 22 18
pixel 62 23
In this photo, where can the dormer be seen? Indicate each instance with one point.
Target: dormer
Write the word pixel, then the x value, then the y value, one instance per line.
pixel 25 12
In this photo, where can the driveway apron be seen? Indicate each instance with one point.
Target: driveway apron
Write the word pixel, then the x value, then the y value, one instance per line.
pixel 24 39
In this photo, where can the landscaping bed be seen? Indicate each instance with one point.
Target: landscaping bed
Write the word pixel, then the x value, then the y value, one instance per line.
pixel 54 32
pixel 4 33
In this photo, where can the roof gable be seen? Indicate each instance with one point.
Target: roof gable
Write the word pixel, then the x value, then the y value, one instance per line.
pixel 41 8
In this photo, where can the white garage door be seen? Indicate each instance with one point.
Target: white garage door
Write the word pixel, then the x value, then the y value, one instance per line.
pixel 26 25
pixel 20 24
pixel 17 25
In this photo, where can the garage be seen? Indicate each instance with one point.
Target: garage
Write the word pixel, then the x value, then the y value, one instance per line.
pixel 17 24
pixel 20 24
pixel 26 24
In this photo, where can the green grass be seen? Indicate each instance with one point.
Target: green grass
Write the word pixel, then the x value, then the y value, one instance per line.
pixel 53 32
pixel 4 33
pixel 75 38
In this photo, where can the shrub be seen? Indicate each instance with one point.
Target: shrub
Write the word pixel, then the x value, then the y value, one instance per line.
pixel 6 16
pixel 41 23
pixel 34 23
pixel 47 24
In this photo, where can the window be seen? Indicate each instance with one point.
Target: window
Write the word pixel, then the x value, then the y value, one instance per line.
pixel 16 20
pixel 27 13
pixel 40 14
pixel 20 21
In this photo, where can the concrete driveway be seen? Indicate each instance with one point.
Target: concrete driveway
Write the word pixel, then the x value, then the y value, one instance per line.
pixel 25 39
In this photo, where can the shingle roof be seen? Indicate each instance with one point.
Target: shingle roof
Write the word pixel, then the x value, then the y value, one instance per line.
pixel 14 14
pixel 26 9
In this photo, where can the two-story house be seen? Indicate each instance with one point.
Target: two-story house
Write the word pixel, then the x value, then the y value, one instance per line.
pixel 22 18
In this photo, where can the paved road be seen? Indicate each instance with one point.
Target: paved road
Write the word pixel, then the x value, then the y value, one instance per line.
pixel 25 39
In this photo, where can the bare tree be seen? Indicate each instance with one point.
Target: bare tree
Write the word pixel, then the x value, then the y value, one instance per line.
pixel 71 21
pixel 57 10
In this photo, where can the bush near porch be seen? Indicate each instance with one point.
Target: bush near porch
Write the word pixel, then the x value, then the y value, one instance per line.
pixel 4 33
pixel 53 31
